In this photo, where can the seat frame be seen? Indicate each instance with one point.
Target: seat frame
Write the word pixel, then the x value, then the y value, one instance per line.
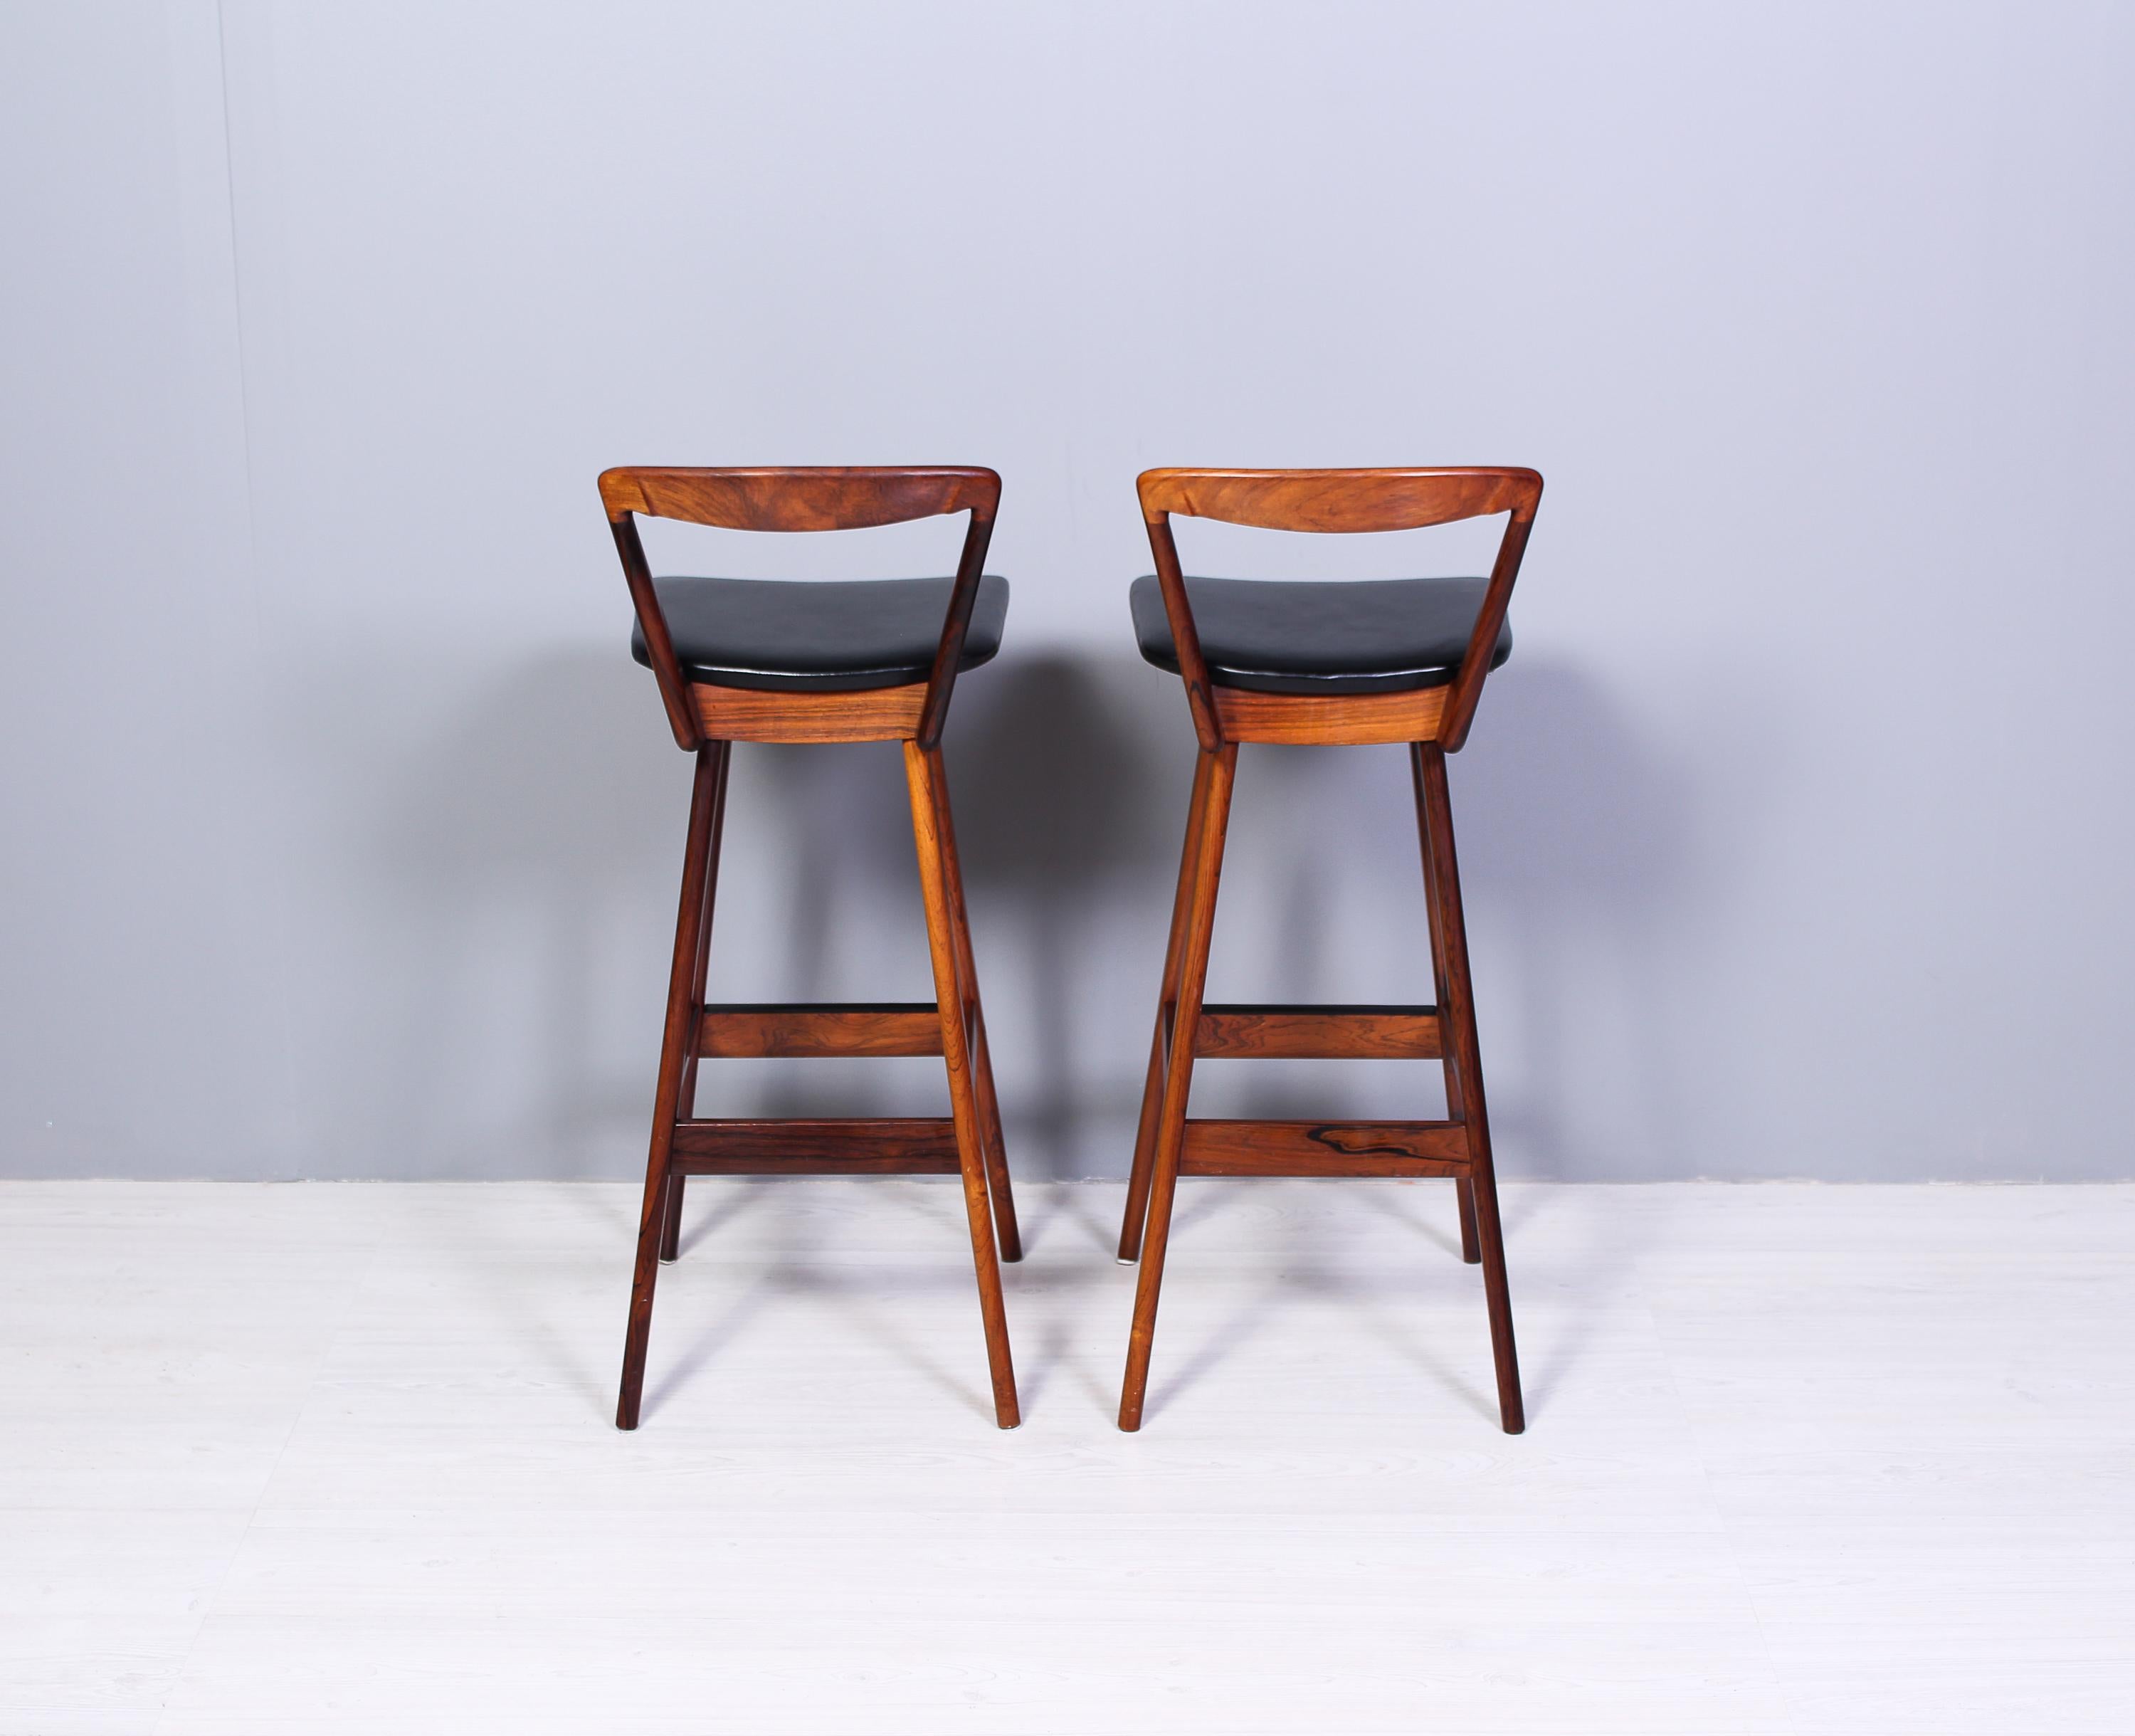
pixel 1433 722
pixel 707 720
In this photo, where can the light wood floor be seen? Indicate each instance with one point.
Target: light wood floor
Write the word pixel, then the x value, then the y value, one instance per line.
pixel 1814 1459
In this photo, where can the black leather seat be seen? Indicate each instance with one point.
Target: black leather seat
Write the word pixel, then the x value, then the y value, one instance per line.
pixel 1332 636
pixel 833 636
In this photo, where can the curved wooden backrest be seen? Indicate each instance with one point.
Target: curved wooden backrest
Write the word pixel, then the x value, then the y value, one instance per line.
pixel 779 497
pixel 1339 500
pixel 799 498
pixel 1342 502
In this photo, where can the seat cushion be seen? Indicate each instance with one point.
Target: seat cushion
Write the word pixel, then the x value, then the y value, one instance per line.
pixel 829 636
pixel 1321 636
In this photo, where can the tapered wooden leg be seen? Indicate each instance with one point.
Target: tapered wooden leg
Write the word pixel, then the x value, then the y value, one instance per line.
pixel 922 771
pixel 1178 1076
pixel 1457 1014
pixel 1009 1237
pixel 1464 1191
pixel 670 1229
pixel 681 1018
pixel 1464 1187
pixel 1152 1090
pixel 670 1222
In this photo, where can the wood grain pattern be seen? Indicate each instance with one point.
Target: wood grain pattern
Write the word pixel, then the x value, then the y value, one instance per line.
pixel 739 1031
pixel 704 803
pixel 1342 719
pixel 809 497
pixel 659 643
pixel 1340 501
pixel 746 714
pixel 841 1145
pixel 1318 1033
pixel 922 770
pixel 1412 1148
pixel 1143 1167
pixel 1449 937
pixel 1208 853
pixel 670 1231
pixel 1471 1250
pixel 1008 1234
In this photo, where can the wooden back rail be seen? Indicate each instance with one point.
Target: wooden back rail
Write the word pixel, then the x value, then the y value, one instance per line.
pixel 802 498
pixel 1346 501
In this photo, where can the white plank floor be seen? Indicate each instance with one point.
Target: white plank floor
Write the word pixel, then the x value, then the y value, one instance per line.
pixel 338 1458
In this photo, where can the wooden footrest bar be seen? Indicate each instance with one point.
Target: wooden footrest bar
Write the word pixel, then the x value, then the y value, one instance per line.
pixel 847 1146
pixel 817 1028
pixel 1319 1033
pixel 1324 1148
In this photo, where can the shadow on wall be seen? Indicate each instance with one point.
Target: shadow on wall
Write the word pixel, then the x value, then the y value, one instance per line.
pixel 532 854
pixel 1063 815
pixel 1052 790
pixel 820 898
pixel 1578 845
pixel 1577 852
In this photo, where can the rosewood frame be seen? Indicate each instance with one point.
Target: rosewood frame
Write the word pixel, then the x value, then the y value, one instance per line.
pixel 1433 722
pixel 707 720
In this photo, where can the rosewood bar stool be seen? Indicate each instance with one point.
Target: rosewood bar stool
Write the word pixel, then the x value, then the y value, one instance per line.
pixel 754 660
pixel 1351 663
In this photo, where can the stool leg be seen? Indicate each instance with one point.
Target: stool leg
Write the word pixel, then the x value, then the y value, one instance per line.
pixel 1152 1090
pixel 922 773
pixel 1457 1011
pixel 1009 1237
pixel 1179 1077
pixel 1464 1191
pixel 670 1229
pixel 681 1015
pixel 1465 1187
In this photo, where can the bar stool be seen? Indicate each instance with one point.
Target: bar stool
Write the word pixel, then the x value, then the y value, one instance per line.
pixel 754 660
pixel 1349 663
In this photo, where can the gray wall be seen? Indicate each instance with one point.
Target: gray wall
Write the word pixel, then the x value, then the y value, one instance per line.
pixel 340 835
